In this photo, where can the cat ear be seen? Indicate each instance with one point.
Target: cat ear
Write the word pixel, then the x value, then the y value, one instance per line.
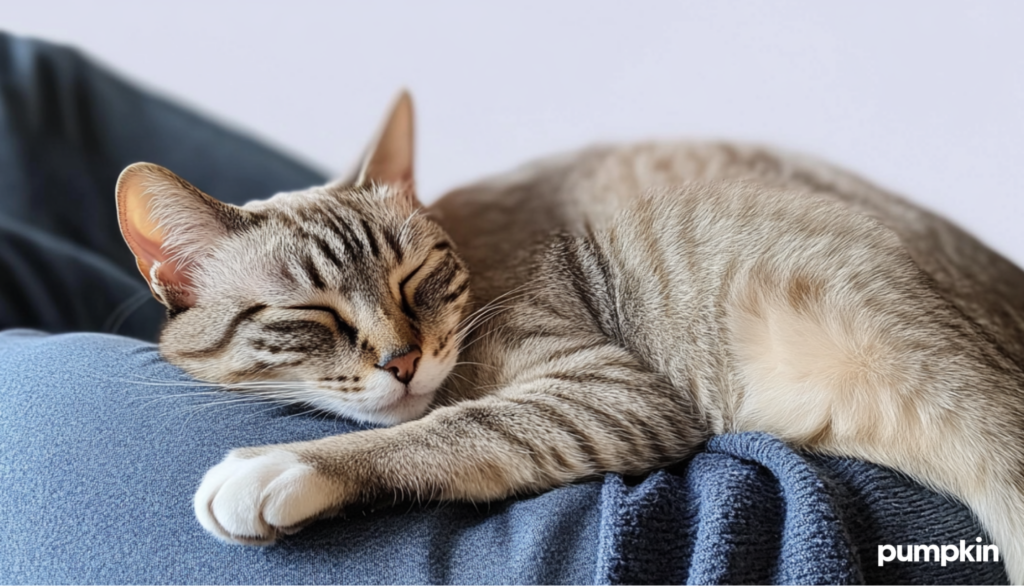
pixel 169 225
pixel 389 160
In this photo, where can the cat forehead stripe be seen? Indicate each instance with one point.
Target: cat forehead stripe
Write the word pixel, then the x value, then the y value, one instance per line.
pixel 229 332
pixel 371 240
pixel 312 273
pixel 352 238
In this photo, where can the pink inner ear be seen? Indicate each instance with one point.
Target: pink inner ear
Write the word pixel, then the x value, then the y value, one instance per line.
pixel 145 238
pixel 171 274
pixel 143 235
pixel 147 251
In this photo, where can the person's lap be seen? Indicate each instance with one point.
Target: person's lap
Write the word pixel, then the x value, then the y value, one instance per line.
pixel 103 444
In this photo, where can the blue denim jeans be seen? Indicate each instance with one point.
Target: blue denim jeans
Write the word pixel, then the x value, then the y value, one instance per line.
pixel 102 445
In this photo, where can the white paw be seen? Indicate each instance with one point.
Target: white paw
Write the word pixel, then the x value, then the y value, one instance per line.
pixel 254 500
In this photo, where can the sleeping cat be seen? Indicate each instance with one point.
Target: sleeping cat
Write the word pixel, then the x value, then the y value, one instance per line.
pixel 606 311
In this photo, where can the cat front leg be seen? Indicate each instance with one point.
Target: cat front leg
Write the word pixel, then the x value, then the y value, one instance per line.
pixel 547 428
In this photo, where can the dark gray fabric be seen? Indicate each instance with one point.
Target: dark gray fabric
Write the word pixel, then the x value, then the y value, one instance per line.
pixel 67 129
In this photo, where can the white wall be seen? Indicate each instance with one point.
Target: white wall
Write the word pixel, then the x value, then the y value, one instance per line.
pixel 924 97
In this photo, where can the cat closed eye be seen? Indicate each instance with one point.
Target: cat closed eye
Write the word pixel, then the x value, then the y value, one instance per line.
pixel 344 328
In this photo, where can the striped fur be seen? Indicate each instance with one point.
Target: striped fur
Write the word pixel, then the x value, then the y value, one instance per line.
pixel 641 300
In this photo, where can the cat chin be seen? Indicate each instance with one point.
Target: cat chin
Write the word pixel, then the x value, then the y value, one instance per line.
pixel 409 407
pixel 391 409
pixel 404 409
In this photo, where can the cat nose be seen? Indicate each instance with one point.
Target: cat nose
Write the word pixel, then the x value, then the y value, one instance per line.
pixel 402 364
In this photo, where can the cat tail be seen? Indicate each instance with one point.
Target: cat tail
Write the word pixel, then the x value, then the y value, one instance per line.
pixel 1000 508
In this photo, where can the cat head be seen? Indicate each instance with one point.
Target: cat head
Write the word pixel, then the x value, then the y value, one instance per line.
pixel 345 297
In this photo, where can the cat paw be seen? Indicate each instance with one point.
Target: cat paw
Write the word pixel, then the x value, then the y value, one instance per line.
pixel 255 500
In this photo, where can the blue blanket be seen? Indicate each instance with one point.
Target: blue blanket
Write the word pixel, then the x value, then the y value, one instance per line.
pixel 749 509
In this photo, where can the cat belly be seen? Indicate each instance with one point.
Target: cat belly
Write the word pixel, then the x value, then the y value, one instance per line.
pixel 821 376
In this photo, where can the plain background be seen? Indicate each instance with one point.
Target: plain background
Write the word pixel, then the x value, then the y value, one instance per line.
pixel 925 97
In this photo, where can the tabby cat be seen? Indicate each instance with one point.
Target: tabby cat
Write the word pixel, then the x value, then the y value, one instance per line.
pixel 623 305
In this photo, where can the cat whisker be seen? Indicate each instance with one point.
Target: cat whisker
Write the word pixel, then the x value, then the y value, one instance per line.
pixel 494 332
pixel 475 364
pixel 159 398
pixel 262 411
pixel 499 299
pixel 237 401
pixel 461 335
pixel 312 409
pixel 123 311
pixel 507 296
pixel 181 384
pixel 481 317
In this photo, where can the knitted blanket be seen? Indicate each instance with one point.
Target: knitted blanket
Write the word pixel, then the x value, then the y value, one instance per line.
pixel 750 509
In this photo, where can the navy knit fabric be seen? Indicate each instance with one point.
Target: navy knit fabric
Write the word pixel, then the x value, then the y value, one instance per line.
pixel 751 510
